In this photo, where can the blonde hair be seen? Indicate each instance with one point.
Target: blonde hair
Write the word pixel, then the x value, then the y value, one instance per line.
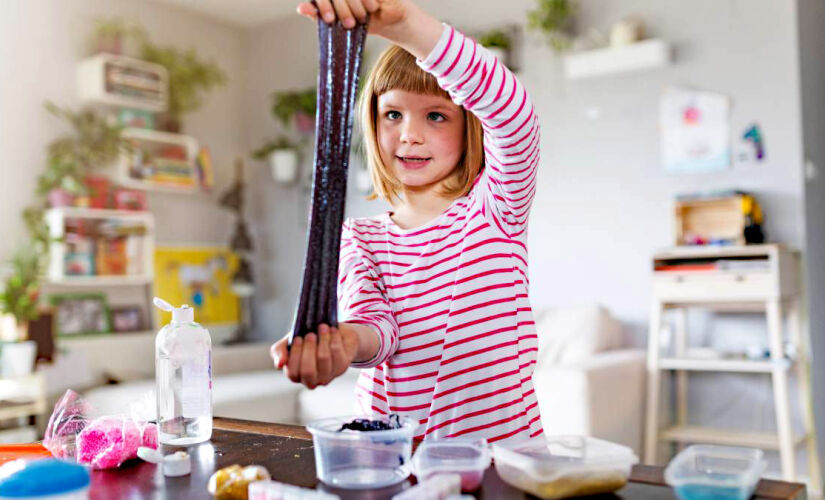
pixel 396 69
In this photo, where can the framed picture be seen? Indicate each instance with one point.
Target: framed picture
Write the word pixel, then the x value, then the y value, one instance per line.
pixel 127 319
pixel 80 313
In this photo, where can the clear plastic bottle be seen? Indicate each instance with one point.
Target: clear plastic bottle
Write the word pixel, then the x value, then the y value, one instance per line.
pixel 183 378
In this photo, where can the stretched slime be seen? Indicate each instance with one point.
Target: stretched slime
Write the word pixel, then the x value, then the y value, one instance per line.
pixel 340 52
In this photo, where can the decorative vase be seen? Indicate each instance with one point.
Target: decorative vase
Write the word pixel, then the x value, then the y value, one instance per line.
pixel 284 165
pixel 17 358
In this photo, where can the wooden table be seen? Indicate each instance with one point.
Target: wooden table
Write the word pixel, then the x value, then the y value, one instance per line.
pixel 286 451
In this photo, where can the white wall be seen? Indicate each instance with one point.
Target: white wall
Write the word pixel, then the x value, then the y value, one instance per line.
pixel 40 43
pixel 604 202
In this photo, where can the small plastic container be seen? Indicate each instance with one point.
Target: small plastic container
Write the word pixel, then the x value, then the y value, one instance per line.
pixel 702 472
pixel 564 466
pixel 44 479
pixel 467 458
pixel 362 459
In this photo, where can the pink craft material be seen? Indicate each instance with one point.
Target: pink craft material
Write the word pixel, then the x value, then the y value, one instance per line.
pixel 150 436
pixel 109 441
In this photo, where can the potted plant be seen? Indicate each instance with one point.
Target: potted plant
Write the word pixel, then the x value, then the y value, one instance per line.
pixel 498 42
pixel 110 34
pixel 553 18
pixel 190 78
pixel 295 107
pixel 18 305
pixel 282 155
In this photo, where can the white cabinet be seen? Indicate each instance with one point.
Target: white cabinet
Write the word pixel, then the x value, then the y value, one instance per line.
pixel 100 247
pixel 123 81
pixel 159 161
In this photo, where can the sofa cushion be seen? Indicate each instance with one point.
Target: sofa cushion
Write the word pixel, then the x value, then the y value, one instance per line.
pixel 264 395
pixel 571 334
pixel 332 400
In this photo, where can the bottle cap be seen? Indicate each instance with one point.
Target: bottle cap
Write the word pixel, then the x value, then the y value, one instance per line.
pixel 182 314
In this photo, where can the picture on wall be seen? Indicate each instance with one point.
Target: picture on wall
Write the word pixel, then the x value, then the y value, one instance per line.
pixel 80 313
pixel 695 131
pixel 199 276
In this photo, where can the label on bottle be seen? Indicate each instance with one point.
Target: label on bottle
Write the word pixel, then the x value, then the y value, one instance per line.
pixel 195 396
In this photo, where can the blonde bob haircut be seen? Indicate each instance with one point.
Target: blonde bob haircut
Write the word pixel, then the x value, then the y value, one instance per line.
pixel 396 69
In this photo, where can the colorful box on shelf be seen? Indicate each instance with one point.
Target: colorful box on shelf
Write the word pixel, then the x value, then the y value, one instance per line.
pixel 159 161
pixel 123 81
pixel 100 247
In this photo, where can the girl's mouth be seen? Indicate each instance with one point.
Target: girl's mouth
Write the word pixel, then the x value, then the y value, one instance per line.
pixel 413 162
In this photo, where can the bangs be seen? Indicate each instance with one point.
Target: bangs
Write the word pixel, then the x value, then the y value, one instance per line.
pixel 397 70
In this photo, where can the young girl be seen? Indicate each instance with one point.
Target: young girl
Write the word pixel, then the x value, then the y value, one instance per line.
pixel 434 293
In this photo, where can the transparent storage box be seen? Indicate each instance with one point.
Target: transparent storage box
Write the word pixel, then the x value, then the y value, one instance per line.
pixel 564 466
pixel 702 472
pixel 467 458
pixel 362 459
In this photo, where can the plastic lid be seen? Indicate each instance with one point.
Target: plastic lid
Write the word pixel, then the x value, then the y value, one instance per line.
pixel 451 454
pixel 557 455
pixel 182 314
pixel 22 479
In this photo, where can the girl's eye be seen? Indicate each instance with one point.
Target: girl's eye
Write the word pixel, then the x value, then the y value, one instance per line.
pixel 436 117
pixel 393 115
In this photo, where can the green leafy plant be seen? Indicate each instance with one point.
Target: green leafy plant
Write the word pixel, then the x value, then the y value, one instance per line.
pixel 109 34
pixel 495 38
pixel 22 287
pixel 552 17
pixel 281 142
pixel 288 104
pixel 94 142
pixel 190 77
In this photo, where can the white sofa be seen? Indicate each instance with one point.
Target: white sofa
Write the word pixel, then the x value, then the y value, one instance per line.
pixel 586 384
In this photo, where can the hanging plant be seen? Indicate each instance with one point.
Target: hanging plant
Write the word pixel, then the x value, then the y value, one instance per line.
pixel 190 78
pixel 553 18
pixel 295 107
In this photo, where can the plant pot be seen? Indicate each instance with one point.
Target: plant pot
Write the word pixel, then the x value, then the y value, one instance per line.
pixel 305 123
pixel 284 165
pixel 59 197
pixel 17 358
pixel 112 44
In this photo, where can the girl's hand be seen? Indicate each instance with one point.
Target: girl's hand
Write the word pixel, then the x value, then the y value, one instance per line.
pixel 399 21
pixel 316 359
pixel 382 13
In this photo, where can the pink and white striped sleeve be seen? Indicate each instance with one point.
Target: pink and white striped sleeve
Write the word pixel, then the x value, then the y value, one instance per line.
pixel 362 297
pixel 478 81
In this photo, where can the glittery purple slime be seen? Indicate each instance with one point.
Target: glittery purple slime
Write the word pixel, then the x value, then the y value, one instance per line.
pixel 340 51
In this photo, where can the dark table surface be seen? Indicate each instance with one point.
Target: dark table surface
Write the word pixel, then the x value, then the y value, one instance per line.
pixel 286 452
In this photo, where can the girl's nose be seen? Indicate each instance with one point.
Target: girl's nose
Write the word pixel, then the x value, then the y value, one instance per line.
pixel 410 134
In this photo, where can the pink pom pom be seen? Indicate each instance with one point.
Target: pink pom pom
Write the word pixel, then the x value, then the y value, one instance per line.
pixel 108 442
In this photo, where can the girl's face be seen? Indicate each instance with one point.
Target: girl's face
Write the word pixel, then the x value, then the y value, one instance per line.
pixel 420 137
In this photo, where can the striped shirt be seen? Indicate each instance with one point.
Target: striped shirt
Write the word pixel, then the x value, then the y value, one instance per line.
pixel 449 299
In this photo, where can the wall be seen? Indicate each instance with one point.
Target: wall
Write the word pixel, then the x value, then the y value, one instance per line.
pixel 603 202
pixel 811 18
pixel 40 43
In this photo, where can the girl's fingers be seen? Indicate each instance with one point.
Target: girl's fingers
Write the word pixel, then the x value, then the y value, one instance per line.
pixel 344 13
pixel 358 10
pixel 326 10
pixel 309 368
pixel 294 364
pixel 279 353
pixel 324 357
pixel 371 5
pixel 340 362
pixel 308 10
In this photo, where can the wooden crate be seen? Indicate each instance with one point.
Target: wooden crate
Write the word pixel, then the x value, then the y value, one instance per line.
pixel 714 219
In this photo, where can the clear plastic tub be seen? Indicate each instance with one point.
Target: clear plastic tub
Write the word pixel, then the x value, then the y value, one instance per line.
pixel 362 459
pixel 702 472
pixel 564 466
pixel 467 458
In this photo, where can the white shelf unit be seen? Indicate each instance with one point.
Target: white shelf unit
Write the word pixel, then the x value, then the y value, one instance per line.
pixel 123 81
pixel 646 54
pixel 752 278
pixel 56 219
pixel 137 170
